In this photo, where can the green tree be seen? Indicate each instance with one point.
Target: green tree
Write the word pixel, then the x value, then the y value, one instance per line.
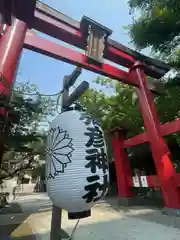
pixel 121 109
pixel 25 135
pixel 158 27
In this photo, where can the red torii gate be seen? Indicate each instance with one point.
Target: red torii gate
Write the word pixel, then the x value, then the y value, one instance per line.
pixel 125 186
pixel 89 35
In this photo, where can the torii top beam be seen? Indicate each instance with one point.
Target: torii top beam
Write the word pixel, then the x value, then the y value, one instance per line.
pixel 116 52
pixel 45 19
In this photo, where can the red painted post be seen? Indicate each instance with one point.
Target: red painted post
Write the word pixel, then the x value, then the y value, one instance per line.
pixel 11 45
pixel 164 166
pixel 122 164
pixel 10 51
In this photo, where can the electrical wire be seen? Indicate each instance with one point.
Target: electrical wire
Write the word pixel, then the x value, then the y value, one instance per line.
pixel 73 231
pixel 58 102
pixel 58 94
pixel 39 94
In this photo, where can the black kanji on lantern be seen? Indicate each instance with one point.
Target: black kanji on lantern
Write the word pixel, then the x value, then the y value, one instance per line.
pixel 88 119
pixel 92 188
pixel 97 159
pixel 96 155
pixel 95 137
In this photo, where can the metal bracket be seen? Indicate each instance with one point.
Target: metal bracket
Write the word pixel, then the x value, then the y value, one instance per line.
pixel 6 11
pixel 3 30
pixel 23 10
pixel 95 37
pixel 68 100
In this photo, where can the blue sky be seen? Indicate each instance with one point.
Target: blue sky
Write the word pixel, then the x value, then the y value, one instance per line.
pixel 48 73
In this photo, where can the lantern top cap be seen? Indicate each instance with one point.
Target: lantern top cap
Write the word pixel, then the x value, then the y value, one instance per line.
pixel 86 22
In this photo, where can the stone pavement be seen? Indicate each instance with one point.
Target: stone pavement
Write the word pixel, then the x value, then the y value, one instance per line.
pixel 106 223
pixel 13 224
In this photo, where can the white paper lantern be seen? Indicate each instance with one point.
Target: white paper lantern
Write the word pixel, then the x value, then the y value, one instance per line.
pixel 76 168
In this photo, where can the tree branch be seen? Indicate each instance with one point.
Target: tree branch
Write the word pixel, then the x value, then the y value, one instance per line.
pixel 22 167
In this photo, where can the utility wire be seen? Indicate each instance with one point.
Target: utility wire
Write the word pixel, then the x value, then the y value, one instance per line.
pixel 73 231
pixel 58 94
pixel 39 94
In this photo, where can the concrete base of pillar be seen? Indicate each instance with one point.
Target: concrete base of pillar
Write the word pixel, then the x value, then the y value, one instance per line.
pixel 171 211
pixel 126 201
pixel 139 201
